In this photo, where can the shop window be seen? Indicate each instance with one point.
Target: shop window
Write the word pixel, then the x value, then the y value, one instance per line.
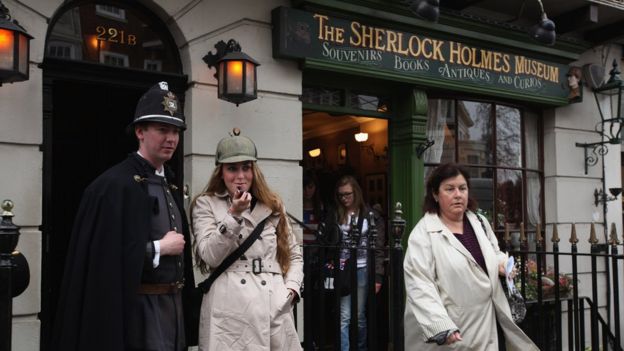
pixel 368 102
pixel 113 59
pixel 121 36
pixel 499 145
pixel 111 12
pixel 346 101
pixel 62 50
pixel 152 65
pixel 322 96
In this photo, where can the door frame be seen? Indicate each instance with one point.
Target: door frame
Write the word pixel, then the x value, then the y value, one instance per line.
pixel 55 70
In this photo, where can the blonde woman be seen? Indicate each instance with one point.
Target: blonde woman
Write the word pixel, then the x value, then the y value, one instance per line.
pixel 249 306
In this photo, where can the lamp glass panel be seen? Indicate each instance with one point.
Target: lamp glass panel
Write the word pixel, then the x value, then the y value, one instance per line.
pixel 616 102
pixel 221 73
pixel 6 49
pixel 234 77
pixel 250 76
pixel 23 54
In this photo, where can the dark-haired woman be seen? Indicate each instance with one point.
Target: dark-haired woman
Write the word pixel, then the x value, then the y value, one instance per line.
pixel 452 265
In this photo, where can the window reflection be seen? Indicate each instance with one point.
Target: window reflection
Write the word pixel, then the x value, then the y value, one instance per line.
pixel 498 180
pixel 509 198
pixel 474 129
pixel 441 129
pixel 508 136
pixel 111 35
pixel 482 190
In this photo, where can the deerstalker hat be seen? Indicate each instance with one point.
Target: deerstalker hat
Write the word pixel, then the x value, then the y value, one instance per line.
pixel 158 104
pixel 236 148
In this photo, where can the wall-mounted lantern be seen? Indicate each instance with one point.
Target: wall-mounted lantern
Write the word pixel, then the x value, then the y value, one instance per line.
pixel 14 49
pixel 611 118
pixel 426 9
pixel 236 72
pixel 544 30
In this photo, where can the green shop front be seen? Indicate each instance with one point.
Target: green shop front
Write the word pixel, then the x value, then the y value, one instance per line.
pixel 424 94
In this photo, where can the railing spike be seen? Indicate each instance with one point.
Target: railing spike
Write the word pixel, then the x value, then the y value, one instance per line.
pixel 592 235
pixel 555 234
pixel 613 240
pixel 573 238
pixel 538 233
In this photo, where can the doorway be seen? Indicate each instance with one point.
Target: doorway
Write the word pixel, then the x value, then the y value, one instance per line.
pixel 99 60
pixel 337 145
pixel 84 134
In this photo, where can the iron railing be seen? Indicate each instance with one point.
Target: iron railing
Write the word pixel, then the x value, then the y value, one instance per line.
pixel 560 316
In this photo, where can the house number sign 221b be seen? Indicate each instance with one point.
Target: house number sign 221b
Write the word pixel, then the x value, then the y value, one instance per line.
pixel 114 35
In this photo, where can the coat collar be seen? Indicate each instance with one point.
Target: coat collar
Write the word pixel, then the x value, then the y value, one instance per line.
pixel 434 225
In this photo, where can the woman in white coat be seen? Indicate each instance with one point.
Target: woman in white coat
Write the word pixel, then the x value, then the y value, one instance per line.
pixel 455 300
pixel 249 306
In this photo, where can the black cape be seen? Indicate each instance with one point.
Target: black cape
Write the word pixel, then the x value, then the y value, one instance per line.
pixel 105 260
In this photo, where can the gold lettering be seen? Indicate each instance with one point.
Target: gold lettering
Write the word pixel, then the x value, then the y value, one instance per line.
pixel 321 22
pixel 379 35
pixel 355 26
pixel 401 50
pixel 414 53
pixel 454 49
pixel 465 60
pixel 486 59
pixel 553 74
pixel 507 66
pixel 340 35
pixel 367 37
pixel 426 53
pixel 391 39
pixel 437 50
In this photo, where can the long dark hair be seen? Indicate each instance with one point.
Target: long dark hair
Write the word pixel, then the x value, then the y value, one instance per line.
pixel 440 174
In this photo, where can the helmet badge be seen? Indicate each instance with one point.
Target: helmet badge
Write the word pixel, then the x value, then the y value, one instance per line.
pixel 170 103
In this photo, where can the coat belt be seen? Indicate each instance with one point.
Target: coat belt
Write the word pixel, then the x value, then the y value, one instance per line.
pixel 160 288
pixel 255 266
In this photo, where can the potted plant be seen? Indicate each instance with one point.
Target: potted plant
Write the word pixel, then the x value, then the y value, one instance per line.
pixel 548 282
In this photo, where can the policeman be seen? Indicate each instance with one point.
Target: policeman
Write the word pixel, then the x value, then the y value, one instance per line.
pixel 129 255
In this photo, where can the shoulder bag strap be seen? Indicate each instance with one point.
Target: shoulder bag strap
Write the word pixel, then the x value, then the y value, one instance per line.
pixel 228 261
pixel 481 221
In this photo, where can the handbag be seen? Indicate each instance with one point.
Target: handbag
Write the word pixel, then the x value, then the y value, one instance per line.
pixel 341 277
pixel 516 302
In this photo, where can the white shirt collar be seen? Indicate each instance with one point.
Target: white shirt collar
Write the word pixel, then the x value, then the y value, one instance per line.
pixel 159 172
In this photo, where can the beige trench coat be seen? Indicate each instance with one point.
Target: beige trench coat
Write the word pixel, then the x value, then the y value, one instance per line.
pixel 243 310
pixel 447 289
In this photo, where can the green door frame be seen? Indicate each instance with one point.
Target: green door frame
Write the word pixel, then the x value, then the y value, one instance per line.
pixel 407 169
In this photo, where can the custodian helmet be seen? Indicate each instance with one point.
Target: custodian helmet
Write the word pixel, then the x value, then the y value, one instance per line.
pixel 158 104
pixel 236 148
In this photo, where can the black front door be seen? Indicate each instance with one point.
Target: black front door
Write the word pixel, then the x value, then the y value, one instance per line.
pixel 85 120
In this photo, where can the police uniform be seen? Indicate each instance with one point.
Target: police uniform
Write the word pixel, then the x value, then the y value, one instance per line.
pixel 114 297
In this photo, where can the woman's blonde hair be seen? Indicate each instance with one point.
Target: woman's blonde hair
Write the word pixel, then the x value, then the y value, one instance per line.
pixel 259 190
